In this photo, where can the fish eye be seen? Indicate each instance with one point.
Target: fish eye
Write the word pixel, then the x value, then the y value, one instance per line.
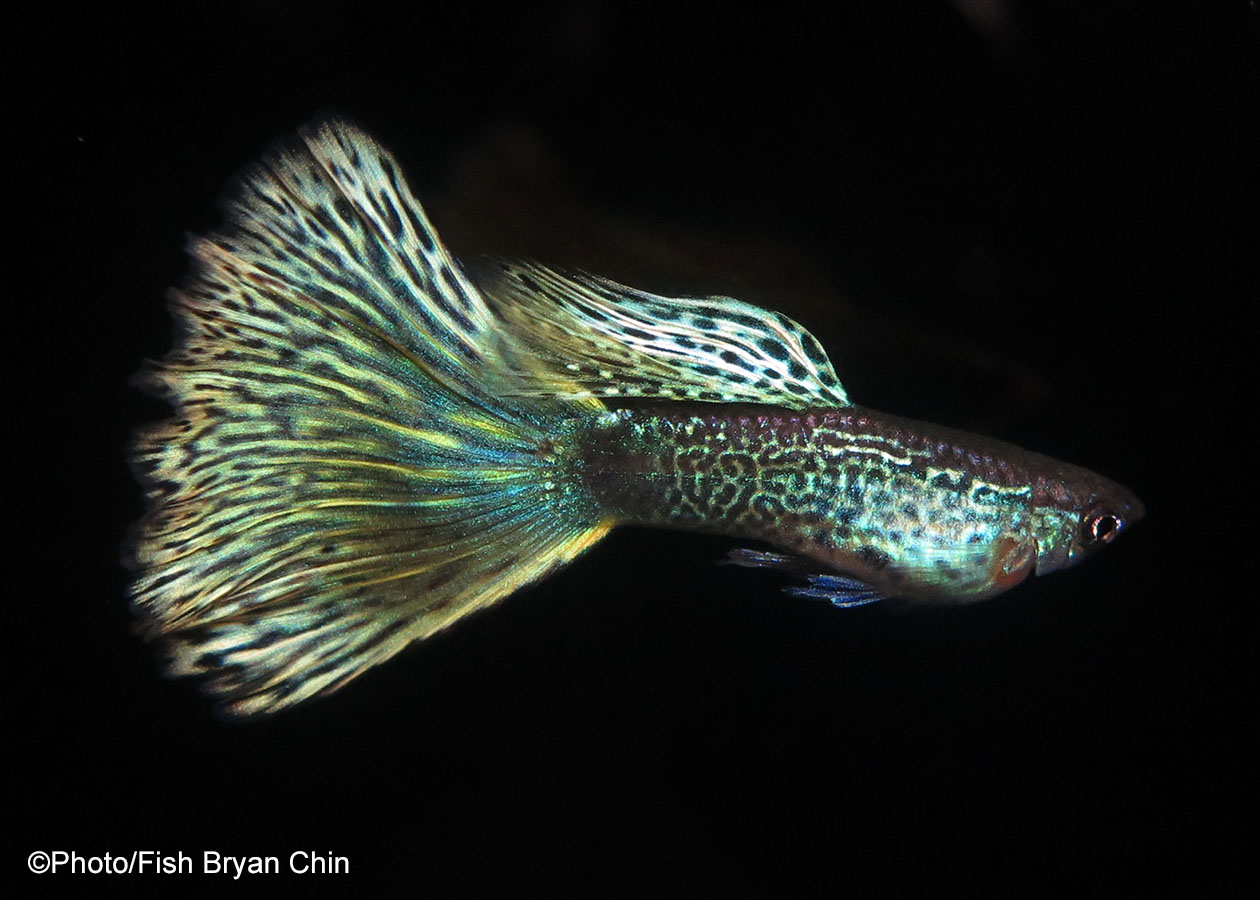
pixel 1100 527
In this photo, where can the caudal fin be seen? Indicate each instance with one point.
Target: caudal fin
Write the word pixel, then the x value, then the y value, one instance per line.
pixel 346 470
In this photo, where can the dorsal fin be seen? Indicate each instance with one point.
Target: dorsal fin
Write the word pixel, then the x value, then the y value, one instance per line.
pixel 591 337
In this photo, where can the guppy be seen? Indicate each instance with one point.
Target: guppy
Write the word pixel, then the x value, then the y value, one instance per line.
pixel 369 443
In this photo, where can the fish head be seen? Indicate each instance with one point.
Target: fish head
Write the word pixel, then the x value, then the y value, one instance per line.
pixel 1076 513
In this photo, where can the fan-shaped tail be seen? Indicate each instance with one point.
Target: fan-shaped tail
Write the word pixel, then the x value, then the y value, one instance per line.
pixel 343 474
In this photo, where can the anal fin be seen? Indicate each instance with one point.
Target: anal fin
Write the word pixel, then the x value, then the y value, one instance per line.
pixel 842 591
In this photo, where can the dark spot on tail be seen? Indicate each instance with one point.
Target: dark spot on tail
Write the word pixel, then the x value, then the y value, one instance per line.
pixel 343 209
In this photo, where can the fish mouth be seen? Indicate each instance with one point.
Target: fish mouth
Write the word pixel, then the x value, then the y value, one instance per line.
pixel 1135 511
pixel 1128 512
pixel 1128 508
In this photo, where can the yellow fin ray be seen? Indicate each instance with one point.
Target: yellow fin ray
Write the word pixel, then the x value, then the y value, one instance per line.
pixel 346 470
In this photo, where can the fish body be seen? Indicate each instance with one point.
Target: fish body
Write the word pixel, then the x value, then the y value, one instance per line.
pixel 908 508
pixel 369 442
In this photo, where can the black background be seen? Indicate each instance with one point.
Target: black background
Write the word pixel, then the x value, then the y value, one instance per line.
pixel 1030 220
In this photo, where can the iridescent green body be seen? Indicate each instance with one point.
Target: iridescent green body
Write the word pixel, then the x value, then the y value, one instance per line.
pixel 910 508
pixel 369 443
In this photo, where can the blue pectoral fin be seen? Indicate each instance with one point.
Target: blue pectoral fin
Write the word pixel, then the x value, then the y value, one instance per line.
pixel 842 591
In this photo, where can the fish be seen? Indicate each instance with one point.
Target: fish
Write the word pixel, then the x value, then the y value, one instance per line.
pixel 370 441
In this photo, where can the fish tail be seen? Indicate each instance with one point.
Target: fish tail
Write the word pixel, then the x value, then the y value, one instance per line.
pixel 348 468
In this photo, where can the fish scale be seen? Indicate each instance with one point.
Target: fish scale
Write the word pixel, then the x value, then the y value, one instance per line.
pixel 916 509
pixel 368 444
